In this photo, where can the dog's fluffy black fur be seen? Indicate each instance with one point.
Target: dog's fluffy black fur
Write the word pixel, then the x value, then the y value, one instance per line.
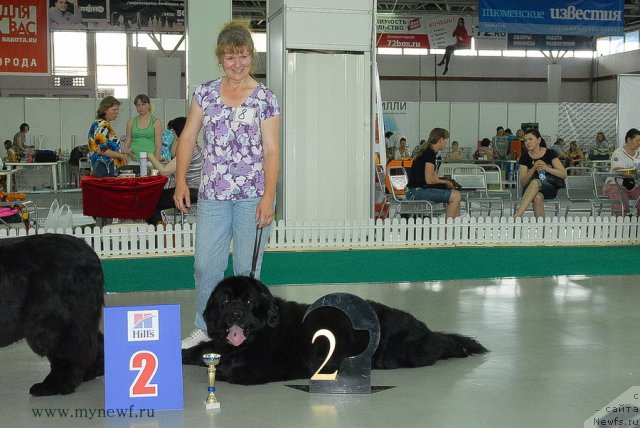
pixel 272 344
pixel 52 293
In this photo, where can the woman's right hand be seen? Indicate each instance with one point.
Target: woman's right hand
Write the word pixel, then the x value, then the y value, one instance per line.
pixel 181 197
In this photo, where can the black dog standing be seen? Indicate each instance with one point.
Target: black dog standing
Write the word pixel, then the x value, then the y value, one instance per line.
pixel 52 293
pixel 261 338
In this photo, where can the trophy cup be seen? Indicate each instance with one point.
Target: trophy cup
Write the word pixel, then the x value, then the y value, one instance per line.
pixel 211 360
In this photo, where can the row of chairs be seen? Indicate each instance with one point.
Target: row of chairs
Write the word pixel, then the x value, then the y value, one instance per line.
pixel 483 191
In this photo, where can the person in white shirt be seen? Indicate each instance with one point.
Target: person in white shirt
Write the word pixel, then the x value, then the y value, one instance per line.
pixel 625 160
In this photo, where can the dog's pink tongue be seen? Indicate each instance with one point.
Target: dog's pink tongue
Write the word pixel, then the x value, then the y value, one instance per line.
pixel 236 335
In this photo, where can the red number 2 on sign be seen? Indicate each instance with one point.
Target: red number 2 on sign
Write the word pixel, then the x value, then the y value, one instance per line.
pixel 146 363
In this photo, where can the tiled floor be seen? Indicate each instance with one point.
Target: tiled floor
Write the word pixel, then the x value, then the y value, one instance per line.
pixel 561 349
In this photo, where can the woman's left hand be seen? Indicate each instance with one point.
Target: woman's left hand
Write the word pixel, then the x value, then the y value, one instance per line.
pixel 264 212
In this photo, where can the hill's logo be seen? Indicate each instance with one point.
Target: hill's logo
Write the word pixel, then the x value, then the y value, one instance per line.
pixel 142 325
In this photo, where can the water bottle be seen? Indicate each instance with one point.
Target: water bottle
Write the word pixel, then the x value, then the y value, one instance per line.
pixel 143 164
pixel 542 175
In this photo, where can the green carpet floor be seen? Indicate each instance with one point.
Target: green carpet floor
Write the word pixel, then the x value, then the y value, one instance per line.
pixel 391 265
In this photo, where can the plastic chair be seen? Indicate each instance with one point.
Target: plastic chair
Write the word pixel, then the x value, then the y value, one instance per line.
pixel 382 200
pixel 582 192
pixel 398 180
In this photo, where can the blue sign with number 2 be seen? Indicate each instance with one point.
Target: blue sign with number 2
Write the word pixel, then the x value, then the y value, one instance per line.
pixel 143 361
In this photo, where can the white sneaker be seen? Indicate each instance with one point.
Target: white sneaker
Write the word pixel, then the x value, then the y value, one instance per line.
pixel 195 337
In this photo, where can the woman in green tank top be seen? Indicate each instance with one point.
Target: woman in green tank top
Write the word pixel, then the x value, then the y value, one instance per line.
pixel 144 131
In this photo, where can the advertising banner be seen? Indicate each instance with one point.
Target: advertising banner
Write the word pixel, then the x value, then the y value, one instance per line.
pixel 577 17
pixel 550 42
pixel 24 39
pixel 159 16
pixel 542 42
pixel 421 32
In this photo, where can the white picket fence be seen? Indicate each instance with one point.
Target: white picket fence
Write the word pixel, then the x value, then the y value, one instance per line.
pixel 142 240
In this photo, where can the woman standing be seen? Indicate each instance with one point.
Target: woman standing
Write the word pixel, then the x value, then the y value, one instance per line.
pixel 104 147
pixel 144 132
pixel 424 183
pixel 539 171
pixel 20 141
pixel 625 158
pixel 241 120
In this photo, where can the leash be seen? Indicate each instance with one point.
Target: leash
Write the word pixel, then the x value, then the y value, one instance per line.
pixel 256 251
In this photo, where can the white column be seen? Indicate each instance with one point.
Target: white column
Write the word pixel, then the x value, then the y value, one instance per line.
pixel 205 19
pixel 319 66
pixel 554 83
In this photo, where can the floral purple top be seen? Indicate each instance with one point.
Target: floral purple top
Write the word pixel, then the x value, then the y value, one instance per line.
pixel 233 166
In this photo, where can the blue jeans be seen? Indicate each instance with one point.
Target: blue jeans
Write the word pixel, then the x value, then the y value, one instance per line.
pixel 219 222
pixel 548 190
pixel 431 194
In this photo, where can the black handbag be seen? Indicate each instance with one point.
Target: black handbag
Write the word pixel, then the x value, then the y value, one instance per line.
pixel 629 183
pixel 556 181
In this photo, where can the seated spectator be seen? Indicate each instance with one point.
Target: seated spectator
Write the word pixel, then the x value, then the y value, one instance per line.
pixel 485 152
pixel 539 172
pixel 403 150
pixel 601 149
pixel 558 147
pixel 574 155
pixel 193 174
pixel 424 183
pixel 624 159
pixel 455 154
pixel 11 156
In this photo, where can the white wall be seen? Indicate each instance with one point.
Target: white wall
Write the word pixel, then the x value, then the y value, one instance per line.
pixel 482 79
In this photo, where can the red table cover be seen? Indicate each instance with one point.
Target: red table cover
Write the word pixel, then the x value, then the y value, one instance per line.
pixel 112 197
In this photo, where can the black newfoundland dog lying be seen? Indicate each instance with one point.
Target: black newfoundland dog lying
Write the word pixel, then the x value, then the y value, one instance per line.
pixel 261 338
pixel 51 293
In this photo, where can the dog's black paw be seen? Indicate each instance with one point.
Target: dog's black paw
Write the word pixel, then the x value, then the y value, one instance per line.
pixel 44 389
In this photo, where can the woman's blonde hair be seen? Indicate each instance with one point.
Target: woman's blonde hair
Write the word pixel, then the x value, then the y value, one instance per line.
pixel 434 136
pixel 235 37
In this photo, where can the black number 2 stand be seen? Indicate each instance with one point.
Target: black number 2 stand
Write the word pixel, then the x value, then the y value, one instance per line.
pixel 354 374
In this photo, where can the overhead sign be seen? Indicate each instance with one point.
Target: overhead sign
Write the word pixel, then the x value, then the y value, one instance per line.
pixel 543 42
pixel 159 16
pixel 24 39
pixel 420 32
pixel 549 42
pixel 578 17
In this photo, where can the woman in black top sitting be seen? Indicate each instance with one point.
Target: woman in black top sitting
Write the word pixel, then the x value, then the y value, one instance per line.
pixel 540 174
pixel 424 183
